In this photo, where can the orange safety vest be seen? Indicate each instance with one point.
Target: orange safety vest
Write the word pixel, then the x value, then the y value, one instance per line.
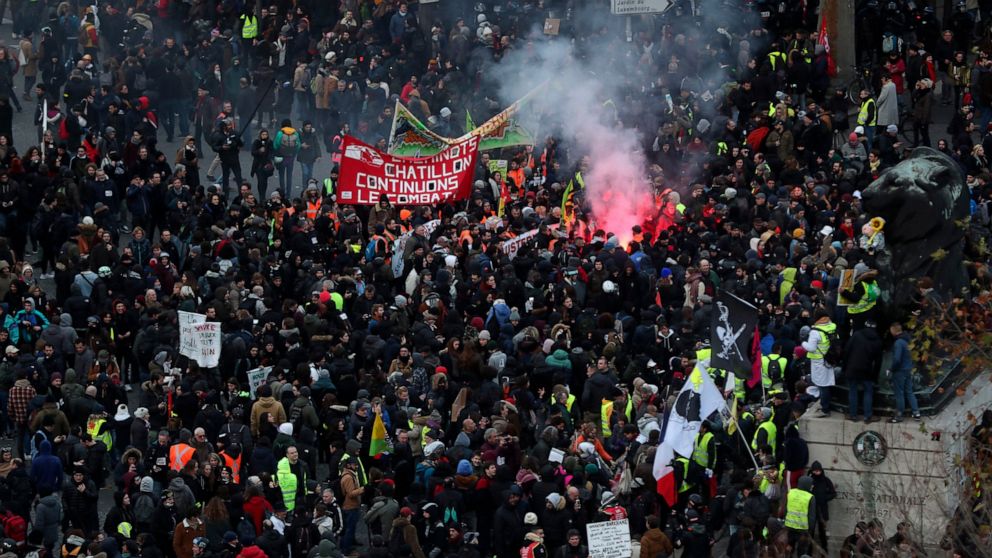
pixel 234 465
pixel 313 209
pixel 179 456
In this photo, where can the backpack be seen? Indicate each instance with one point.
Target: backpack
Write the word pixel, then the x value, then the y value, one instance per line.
pixel 835 352
pixel 397 543
pixel 335 486
pixel 246 531
pixel 144 509
pixel 316 87
pixel 372 248
pixel 289 143
pixel 234 437
pixel 450 514
pixel 14 527
pixel 890 43
pixel 774 370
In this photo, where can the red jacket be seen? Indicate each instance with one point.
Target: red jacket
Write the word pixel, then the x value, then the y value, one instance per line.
pixel 255 509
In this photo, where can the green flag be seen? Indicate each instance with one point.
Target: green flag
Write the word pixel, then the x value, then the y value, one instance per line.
pixel 469 125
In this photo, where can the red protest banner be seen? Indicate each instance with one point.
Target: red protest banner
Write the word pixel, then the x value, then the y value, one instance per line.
pixel 367 174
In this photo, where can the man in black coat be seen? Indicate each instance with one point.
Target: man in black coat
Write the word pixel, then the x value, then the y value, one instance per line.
pixel 509 524
pixel 862 361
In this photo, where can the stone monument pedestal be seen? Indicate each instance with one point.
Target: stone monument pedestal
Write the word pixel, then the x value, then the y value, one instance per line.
pixel 896 472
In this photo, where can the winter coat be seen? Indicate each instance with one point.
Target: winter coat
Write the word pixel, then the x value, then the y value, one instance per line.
pixel 863 356
pixel 403 528
pixel 186 531
pixel 48 518
pixel 823 491
pixel 888 106
pixel 266 405
pixel 902 360
pixel 46 469
pixel 384 511
pixel 508 524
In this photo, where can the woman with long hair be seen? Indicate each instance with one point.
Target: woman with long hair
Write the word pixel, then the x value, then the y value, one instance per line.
pixel 217 520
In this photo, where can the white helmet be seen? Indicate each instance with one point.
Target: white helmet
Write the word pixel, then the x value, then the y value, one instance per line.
pixel 609 287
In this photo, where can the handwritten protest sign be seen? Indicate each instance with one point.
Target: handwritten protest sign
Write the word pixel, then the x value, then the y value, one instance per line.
pixel 186 322
pixel 609 539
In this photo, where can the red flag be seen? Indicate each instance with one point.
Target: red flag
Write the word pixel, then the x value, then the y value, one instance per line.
pixel 666 487
pixel 756 365
pixel 664 473
pixel 823 39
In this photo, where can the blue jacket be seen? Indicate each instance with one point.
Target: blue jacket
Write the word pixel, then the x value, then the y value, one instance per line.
pixel 397 24
pixel 902 361
pixel 138 203
pixel 46 469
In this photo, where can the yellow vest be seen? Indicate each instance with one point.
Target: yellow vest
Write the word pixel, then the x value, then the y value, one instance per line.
pixel 700 453
pixel 766 380
pixel 775 57
pixel 93 427
pixel 606 411
pixel 684 464
pixel 740 389
pixel 568 402
pixel 288 482
pixel 362 479
pixel 797 509
pixel 769 427
pixel 824 344
pixel 250 28
pixel 863 113
pixel 867 301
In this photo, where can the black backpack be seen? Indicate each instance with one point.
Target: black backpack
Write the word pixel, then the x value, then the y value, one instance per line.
pixel 774 370
pixel 835 352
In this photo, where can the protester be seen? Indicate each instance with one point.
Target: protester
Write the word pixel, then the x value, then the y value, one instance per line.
pixel 482 375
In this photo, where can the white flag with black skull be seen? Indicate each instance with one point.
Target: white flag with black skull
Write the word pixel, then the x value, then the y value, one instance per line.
pixel 698 400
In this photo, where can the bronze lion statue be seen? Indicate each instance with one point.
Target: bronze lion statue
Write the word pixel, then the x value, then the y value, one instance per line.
pixel 924 201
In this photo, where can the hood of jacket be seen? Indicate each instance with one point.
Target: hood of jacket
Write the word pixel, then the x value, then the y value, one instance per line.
pixel 51 501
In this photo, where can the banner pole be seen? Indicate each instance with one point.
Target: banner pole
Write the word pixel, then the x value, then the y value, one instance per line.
pixel 392 127
pixel 44 126
pixel 747 446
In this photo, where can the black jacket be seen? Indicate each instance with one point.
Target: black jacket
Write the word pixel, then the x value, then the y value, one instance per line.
pixel 863 356
pixel 509 525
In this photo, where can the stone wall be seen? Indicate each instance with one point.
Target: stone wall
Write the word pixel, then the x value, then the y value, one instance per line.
pixel 915 481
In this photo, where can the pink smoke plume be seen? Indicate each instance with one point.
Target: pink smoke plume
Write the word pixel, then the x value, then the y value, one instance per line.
pixel 617 187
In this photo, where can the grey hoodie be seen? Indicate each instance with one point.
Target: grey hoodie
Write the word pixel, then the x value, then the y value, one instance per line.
pixel 48 518
pixel 183 496
pixel 61 337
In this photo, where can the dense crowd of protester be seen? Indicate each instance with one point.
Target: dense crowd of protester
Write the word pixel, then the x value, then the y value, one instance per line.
pixel 521 399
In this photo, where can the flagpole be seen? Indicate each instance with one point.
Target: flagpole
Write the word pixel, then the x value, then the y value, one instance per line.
pixel 748 448
pixel 392 128
pixel 44 126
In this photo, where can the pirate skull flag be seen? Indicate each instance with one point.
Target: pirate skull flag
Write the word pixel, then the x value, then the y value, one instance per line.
pixel 730 334
pixel 697 401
